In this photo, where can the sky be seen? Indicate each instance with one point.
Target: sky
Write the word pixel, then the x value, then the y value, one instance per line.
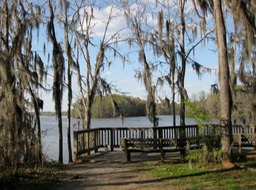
pixel 122 76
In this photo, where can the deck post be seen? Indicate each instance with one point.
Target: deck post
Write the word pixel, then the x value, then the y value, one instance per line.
pixel 112 140
pixel 162 150
pixel 240 146
pixel 127 152
pixel 154 132
pixel 75 134
pixel 160 133
pixel 88 143
pixel 96 140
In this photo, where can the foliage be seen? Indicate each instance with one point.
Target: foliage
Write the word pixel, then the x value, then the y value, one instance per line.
pixel 211 104
pixel 211 142
pixel 103 107
pixel 243 110
pixel 209 153
pixel 244 105
pixel 196 112
pixel 164 108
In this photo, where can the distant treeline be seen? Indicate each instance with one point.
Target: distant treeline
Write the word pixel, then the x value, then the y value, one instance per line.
pixel 103 107
pixel 51 113
pixel 128 107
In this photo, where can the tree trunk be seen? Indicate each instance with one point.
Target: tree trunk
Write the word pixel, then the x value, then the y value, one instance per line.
pixel 183 66
pixel 172 76
pixel 224 76
pixel 88 116
pixel 59 115
pixel 58 68
pixel 39 135
pixel 70 60
pixel 38 123
pixel 69 116
pixel 173 109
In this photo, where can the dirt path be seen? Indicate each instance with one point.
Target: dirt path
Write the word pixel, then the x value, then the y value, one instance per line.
pixel 111 171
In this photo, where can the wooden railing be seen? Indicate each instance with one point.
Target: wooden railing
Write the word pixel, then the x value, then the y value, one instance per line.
pixel 90 140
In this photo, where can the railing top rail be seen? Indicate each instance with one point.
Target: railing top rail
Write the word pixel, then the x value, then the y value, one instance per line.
pixel 150 128
pixel 134 128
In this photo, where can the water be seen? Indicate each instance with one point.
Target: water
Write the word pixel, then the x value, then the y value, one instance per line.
pixel 50 134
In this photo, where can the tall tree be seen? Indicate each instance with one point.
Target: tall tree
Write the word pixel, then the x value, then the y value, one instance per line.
pixel 167 46
pixel 178 36
pixel 21 71
pixel 134 22
pixel 92 84
pixel 182 70
pixel 224 78
pixel 243 13
pixel 69 76
pixel 58 67
pixel 215 7
pixel 243 52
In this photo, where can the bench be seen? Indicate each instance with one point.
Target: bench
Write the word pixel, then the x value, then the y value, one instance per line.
pixel 153 145
pixel 244 141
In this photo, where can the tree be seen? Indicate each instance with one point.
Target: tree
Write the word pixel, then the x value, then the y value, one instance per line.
pixel 182 70
pixel 167 46
pixel 134 22
pixel 242 51
pixel 58 66
pixel 244 20
pixel 21 72
pixel 215 7
pixel 91 83
pixel 69 76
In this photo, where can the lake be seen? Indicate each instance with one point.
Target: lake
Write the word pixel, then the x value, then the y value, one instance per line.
pixel 50 130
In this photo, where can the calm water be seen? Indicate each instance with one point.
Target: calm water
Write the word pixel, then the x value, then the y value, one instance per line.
pixel 50 130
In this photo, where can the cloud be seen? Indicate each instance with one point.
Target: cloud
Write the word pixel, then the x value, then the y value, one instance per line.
pixel 108 73
pixel 141 89
pixel 109 19
pixel 112 16
pixel 127 81
pixel 118 26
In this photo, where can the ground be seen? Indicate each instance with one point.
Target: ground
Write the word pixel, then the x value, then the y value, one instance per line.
pixel 111 171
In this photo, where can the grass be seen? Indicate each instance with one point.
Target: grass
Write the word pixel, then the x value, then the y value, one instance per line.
pixel 206 177
pixel 29 178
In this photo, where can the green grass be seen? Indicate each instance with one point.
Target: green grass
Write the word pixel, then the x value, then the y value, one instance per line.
pixel 205 177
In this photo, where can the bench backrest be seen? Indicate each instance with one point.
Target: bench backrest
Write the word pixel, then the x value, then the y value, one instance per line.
pixel 153 143
pixel 177 142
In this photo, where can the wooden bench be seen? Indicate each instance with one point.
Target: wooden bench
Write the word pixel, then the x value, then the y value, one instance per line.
pixel 153 145
pixel 244 141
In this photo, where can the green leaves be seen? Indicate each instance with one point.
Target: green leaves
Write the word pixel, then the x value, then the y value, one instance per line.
pixel 197 113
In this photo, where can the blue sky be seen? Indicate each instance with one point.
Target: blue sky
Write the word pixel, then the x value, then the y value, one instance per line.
pixel 122 76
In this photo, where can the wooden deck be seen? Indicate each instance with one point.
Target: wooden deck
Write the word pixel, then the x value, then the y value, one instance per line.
pixel 119 157
pixel 91 141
